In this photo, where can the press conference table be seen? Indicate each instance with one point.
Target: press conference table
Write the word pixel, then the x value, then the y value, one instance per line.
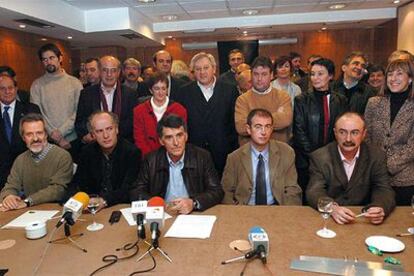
pixel 291 233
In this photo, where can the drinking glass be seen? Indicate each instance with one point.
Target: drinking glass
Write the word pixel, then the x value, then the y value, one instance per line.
pixel 93 206
pixel 325 206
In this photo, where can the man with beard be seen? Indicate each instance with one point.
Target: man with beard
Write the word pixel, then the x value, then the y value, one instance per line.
pixel 351 173
pixel 92 71
pixel 350 84
pixel 40 174
pixel 131 70
pixel 57 95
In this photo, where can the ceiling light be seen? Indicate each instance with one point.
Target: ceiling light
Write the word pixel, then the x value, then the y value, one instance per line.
pixel 324 28
pixel 170 17
pixel 250 12
pixel 396 1
pixel 337 6
pixel 43 39
pixel 245 32
pixel 22 26
pixel 170 36
pixel 146 1
pixel 69 37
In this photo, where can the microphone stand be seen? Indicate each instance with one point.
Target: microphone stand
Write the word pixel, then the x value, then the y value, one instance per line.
pixel 70 237
pixel 155 246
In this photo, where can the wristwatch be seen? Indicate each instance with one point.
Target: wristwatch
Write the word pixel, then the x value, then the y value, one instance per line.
pixel 28 201
pixel 196 205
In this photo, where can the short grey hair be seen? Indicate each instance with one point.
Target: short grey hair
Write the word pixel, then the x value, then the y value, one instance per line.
pixel 201 55
pixel 133 62
pixel 113 116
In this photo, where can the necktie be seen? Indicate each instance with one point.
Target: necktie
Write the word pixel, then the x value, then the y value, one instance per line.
pixel 261 196
pixel 325 119
pixel 7 123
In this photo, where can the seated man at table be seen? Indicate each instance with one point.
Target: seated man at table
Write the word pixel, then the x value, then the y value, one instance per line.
pixel 40 174
pixel 109 166
pixel 183 174
pixel 352 173
pixel 261 172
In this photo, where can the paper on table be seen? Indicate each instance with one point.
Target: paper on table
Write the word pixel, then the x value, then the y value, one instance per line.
pixel 192 227
pixel 126 212
pixel 30 217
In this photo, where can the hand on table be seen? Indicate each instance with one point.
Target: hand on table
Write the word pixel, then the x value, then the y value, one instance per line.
pixel 375 215
pixel 342 215
pixel 182 205
pixel 12 202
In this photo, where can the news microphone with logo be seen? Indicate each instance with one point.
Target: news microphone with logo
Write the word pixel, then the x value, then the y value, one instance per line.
pixel 73 208
pixel 155 217
pixel 138 211
pixel 259 241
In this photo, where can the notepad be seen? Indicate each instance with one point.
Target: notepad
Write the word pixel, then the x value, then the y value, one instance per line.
pixel 191 227
pixel 30 217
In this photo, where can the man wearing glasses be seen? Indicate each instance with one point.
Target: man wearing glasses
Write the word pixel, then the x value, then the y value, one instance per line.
pixel 108 95
pixel 261 172
pixel 350 84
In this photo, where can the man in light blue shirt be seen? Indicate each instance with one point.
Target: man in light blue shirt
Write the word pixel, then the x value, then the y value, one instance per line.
pixel 261 172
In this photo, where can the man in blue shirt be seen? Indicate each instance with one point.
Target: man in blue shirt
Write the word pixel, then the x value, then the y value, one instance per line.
pixel 183 174
pixel 261 172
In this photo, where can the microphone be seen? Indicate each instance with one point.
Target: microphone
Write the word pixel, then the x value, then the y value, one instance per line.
pixel 260 242
pixel 138 210
pixel 73 208
pixel 155 218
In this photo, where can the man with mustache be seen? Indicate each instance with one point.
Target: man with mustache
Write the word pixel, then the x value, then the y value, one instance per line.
pixel 131 70
pixel 350 84
pixel 40 174
pixel 57 95
pixel 351 173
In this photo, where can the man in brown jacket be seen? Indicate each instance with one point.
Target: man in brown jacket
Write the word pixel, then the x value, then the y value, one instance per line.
pixel 261 172
pixel 351 173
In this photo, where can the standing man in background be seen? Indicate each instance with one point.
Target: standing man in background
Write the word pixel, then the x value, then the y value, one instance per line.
pixel 92 71
pixel 236 58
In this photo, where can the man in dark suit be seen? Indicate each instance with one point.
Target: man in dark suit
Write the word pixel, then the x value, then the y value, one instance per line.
pixel 236 58
pixel 109 166
pixel 351 173
pixel 261 172
pixel 12 110
pixel 210 109
pixel 108 95
pixel 181 173
pixel 163 62
pixel 22 95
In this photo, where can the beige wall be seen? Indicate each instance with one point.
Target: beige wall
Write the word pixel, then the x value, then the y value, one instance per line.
pixel 406 28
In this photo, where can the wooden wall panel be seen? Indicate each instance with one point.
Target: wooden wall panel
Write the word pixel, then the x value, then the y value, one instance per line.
pixel 385 41
pixel 19 50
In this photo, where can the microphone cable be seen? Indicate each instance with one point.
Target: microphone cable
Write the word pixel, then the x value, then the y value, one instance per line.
pixel 111 259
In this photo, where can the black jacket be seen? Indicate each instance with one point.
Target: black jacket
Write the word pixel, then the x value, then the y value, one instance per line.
pixel 90 101
pixel 211 124
pixel 229 77
pixel 200 177
pixel 126 160
pixel 357 96
pixel 9 151
pixel 308 123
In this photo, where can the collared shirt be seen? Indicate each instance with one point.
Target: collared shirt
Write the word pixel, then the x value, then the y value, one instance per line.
pixel 176 187
pixel 37 157
pixel 169 85
pixel 350 85
pixel 348 165
pixel 207 91
pixel 255 159
pixel 109 95
pixel 159 110
pixel 11 110
pixel 267 91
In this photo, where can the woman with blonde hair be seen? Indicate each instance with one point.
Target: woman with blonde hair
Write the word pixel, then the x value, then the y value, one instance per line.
pixel 390 124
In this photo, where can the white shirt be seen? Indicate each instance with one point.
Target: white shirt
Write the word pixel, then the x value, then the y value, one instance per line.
pixel 10 111
pixel 348 165
pixel 159 110
pixel 207 91
pixel 109 96
pixel 267 91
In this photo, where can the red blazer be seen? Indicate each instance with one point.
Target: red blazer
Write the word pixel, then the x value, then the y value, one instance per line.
pixel 145 124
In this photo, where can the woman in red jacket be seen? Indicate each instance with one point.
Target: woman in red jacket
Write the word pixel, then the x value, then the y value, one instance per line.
pixel 147 114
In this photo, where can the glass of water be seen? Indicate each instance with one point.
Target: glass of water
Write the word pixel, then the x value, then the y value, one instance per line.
pixel 93 206
pixel 325 207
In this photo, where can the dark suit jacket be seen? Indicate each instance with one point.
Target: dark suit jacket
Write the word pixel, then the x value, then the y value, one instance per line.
pixel 90 101
pixel 229 77
pixel 211 124
pixel 9 151
pixel 126 160
pixel 369 183
pixel 237 178
pixel 176 85
pixel 200 177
